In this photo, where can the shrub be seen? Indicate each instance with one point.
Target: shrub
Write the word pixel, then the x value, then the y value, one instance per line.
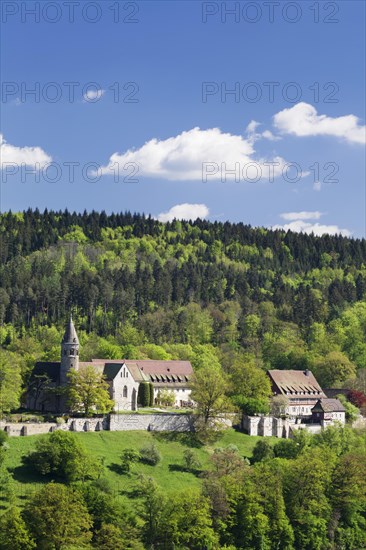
pixel 191 461
pixel 62 456
pixel 352 411
pixel 150 455
pixel 129 457
pixel 143 396
pixel 3 437
pixel 151 388
pixel 286 448
pixel 262 451
pixel 250 405
pixel 357 398
pixel 166 398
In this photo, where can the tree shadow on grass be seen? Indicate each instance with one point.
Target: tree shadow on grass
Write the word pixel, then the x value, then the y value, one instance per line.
pixel 118 469
pixel 190 439
pixel 25 474
pixel 179 468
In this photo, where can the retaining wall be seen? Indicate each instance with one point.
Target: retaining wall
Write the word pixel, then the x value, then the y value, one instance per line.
pixel 114 422
pixel 165 422
pixel 151 422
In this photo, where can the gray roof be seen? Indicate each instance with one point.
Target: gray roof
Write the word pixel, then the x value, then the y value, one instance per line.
pixel 48 368
pixel 328 405
pixel 70 335
pixel 111 370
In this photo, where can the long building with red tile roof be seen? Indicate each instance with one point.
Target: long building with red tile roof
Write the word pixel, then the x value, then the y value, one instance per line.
pixel 124 377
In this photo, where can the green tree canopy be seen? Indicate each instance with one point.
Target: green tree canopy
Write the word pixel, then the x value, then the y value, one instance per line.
pixel 57 516
pixel 87 391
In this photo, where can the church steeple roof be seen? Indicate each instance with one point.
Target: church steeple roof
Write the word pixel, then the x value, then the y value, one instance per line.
pixel 70 335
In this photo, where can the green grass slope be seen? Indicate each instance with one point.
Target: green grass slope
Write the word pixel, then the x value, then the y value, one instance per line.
pixel 168 473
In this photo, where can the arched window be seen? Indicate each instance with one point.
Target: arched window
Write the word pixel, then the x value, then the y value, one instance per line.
pixel 125 391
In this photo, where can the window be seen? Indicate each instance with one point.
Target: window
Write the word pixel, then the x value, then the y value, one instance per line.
pixel 125 391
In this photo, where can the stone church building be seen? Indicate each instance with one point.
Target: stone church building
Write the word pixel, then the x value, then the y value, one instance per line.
pixel 124 377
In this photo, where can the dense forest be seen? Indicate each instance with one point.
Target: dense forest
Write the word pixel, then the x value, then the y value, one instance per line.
pixel 213 293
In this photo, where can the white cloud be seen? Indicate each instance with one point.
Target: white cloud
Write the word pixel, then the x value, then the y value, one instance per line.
pixel 92 96
pixel 252 126
pixel 29 156
pixel 254 136
pixel 290 216
pixel 184 212
pixel 317 186
pixel 303 120
pixel 300 226
pixel 183 157
pixel 267 134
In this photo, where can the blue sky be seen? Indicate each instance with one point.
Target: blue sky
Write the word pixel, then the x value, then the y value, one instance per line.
pixel 180 132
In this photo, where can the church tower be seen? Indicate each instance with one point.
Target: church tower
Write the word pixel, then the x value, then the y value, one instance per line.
pixel 69 351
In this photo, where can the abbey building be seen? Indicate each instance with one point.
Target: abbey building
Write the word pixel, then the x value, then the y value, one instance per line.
pixel 124 376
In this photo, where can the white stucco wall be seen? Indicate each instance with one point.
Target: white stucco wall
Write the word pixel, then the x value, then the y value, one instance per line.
pixel 122 391
pixel 181 394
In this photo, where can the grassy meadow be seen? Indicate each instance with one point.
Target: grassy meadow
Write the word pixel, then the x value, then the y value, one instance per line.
pixel 169 473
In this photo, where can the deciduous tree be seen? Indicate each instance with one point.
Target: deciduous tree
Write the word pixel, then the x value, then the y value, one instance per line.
pixel 57 517
pixel 87 391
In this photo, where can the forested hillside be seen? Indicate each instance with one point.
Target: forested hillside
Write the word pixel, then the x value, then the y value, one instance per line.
pixel 234 301
pixel 209 292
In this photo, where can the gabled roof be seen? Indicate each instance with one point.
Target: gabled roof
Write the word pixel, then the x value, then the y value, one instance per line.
pixel 328 405
pixel 149 366
pixel 48 368
pixel 108 368
pixel 162 372
pixel 111 370
pixel 295 382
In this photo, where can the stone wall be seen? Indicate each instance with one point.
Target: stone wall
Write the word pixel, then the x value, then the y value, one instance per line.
pixel 85 424
pixel 151 422
pixel 270 426
pixel 73 425
pixel 28 428
pixel 266 426
pixel 114 422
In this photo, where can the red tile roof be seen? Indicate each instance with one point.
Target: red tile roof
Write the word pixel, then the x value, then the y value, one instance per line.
pixel 173 372
pixel 162 367
pixel 295 382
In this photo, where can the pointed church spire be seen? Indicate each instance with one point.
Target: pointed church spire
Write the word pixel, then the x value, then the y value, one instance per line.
pixel 69 351
pixel 70 336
